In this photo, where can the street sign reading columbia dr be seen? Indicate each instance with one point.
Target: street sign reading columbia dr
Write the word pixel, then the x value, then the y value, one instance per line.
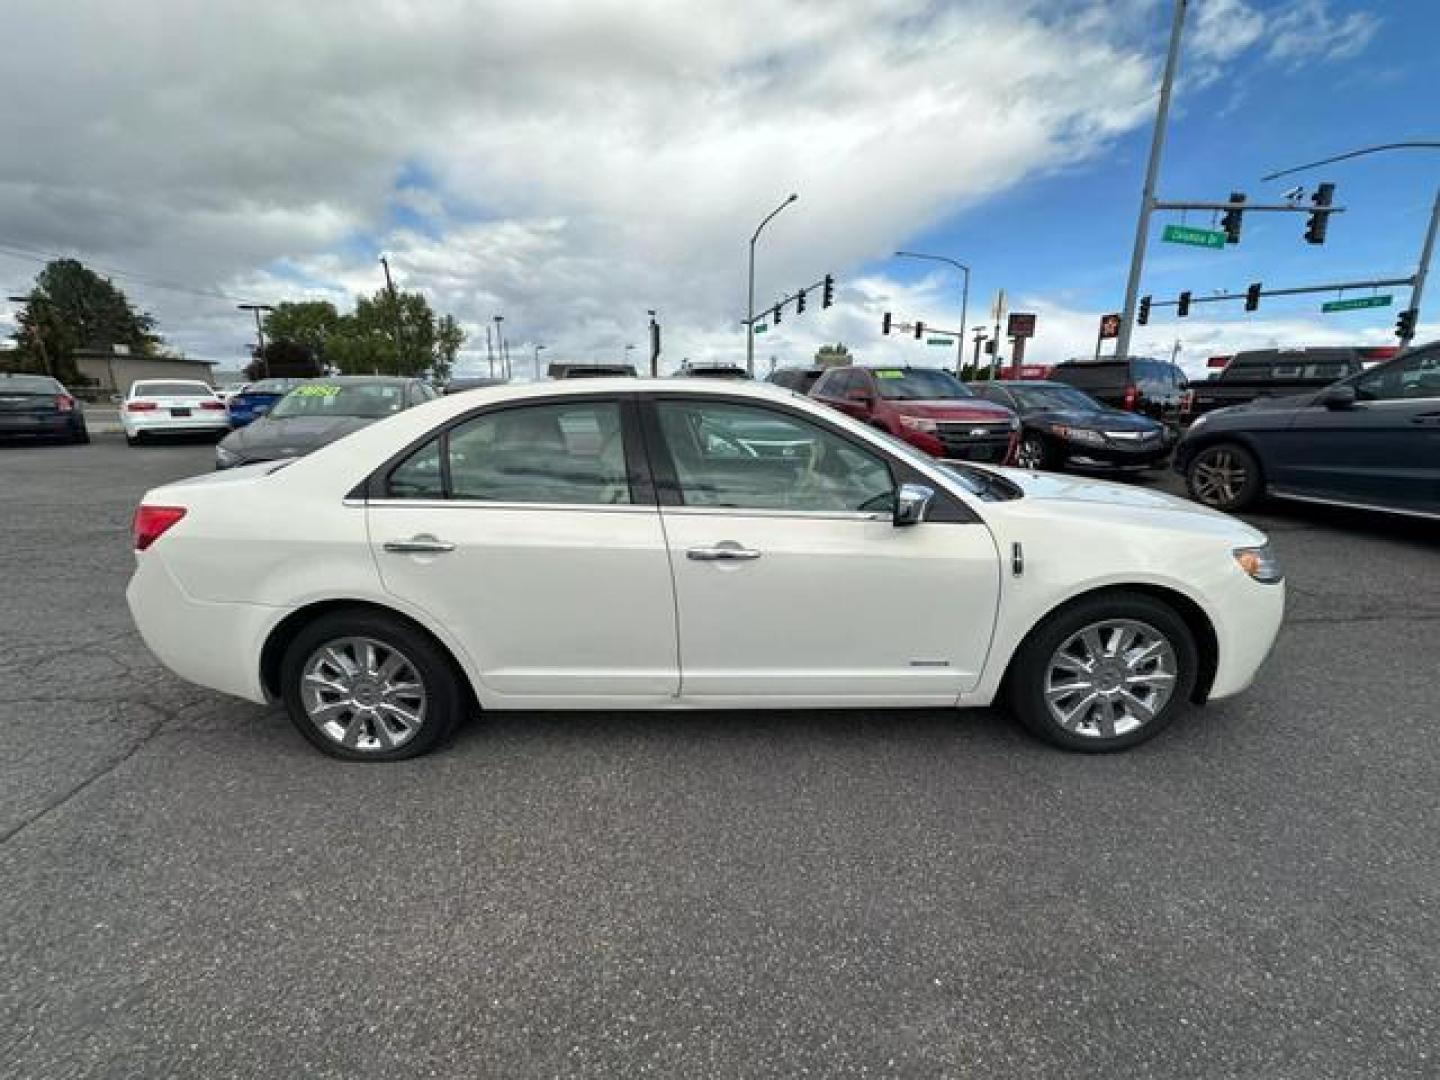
pixel 1185 234
pixel 760 328
pixel 1355 303
pixel 939 341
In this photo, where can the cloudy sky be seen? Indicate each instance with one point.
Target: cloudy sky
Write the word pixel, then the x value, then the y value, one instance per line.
pixel 571 163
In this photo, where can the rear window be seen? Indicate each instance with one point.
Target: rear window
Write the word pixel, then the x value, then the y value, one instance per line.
pixel 797 380
pixel 29 384
pixel 171 389
pixel 1086 376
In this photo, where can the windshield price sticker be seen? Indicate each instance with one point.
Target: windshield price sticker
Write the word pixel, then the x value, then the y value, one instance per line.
pixel 316 390
pixel 889 374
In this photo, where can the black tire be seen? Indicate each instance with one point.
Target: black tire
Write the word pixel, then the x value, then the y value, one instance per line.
pixel 133 440
pixel 445 698
pixel 1224 476
pixel 81 437
pixel 1027 680
pixel 1034 452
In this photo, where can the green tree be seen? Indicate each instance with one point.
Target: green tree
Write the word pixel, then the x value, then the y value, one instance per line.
pixel 395 334
pixel 310 323
pixel 837 355
pixel 71 307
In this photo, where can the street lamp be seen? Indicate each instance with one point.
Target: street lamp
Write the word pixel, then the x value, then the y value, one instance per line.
pixel 964 301
pixel 750 303
pixel 500 347
pixel 537 361
pixel 259 333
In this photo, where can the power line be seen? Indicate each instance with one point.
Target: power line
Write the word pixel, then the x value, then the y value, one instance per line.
pixel 21 251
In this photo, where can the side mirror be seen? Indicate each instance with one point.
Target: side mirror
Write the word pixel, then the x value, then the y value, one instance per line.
pixel 912 504
pixel 1339 397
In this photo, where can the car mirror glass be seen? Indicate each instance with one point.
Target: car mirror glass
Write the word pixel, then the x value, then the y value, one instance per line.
pixel 1339 397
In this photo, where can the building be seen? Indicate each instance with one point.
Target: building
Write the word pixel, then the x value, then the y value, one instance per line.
pixel 113 372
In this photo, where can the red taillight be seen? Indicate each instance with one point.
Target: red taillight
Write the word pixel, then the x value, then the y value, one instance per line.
pixel 64 403
pixel 139 406
pixel 151 522
pixel 1131 394
pixel 1187 402
pixel 212 405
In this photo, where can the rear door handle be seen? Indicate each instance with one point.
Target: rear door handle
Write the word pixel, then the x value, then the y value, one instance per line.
pixel 419 545
pixel 724 551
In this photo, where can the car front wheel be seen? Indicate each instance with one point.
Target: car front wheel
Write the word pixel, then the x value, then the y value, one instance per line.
pixel 1225 476
pixel 1105 673
pixel 366 687
pixel 1033 453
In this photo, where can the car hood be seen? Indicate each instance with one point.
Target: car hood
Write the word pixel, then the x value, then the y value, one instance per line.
pixel 1076 498
pixel 290 436
pixel 1095 420
pixel 954 409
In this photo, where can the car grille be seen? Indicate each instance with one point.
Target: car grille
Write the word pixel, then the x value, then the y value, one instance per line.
pixel 1137 440
pixel 974 441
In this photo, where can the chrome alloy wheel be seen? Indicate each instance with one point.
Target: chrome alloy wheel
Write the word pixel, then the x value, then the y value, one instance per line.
pixel 1031 453
pixel 363 694
pixel 1219 477
pixel 1110 678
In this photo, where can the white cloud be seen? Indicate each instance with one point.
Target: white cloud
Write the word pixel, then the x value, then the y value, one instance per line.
pixel 1309 31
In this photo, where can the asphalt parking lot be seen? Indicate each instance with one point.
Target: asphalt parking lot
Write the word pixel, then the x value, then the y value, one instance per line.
pixel 190 890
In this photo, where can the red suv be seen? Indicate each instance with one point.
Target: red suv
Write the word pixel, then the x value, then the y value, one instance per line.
pixel 927 407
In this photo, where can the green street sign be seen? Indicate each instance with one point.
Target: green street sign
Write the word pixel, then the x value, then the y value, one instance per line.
pixel 1357 302
pixel 939 341
pixel 760 328
pixel 1184 234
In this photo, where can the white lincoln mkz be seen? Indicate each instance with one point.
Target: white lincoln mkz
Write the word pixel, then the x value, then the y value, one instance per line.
pixel 652 545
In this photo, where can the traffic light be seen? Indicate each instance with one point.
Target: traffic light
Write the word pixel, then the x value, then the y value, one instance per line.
pixel 1143 315
pixel 1405 324
pixel 919 330
pixel 885 323
pixel 800 302
pixel 827 297
pixel 1182 305
pixel 1252 296
pixel 1231 221
pixel 776 313
pixel 1319 220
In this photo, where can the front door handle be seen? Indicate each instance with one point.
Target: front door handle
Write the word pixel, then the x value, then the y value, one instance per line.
pixel 419 545
pixel 724 551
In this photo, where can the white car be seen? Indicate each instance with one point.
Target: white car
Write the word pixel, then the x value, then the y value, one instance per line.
pixel 171 407
pixel 657 545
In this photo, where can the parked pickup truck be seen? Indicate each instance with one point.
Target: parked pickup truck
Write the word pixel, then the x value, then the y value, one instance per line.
pixel 1263 373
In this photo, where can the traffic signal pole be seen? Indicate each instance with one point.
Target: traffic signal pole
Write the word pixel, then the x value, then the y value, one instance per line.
pixel 1152 172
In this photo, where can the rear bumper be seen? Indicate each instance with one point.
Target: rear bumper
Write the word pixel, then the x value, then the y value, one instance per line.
pixel 16 425
pixel 216 645
pixel 161 422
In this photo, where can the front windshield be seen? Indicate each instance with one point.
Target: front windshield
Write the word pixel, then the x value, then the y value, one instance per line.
pixel 1054 397
pixel 368 400
pixel 919 384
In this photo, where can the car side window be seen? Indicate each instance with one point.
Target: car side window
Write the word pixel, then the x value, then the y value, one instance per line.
pixel 565 452
pixel 1405 378
pixel 751 458
pixel 837 385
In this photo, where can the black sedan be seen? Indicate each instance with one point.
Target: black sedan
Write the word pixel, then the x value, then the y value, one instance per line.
pixel 1064 426
pixel 37 406
pixel 1370 441
pixel 317 412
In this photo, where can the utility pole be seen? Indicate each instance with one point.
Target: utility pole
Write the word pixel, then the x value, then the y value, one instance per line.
pixel 654 344
pixel 1426 250
pixel 499 344
pixel 489 351
pixel 394 314
pixel 979 340
pixel 509 371
pixel 259 335
pixel 750 302
pixel 537 361
pixel 1152 172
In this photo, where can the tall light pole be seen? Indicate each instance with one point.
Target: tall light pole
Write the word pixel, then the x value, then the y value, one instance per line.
pixel 750 301
pixel 537 361
pixel 500 346
pixel 964 300
pixel 1427 246
pixel 259 333
pixel 1152 173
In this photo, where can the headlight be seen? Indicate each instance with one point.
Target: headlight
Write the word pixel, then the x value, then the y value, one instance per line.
pixel 226 458
pixel 918 423
pixel 1260 563
pixel 1080 435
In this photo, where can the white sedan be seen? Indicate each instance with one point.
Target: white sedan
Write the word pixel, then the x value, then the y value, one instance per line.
pixel 171 407
pixel 622 544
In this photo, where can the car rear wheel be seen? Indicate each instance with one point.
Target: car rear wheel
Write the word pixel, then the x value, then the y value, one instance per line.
pixel 134 440
pixel 1105 673
pixel 1225 476
pixel 367 687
